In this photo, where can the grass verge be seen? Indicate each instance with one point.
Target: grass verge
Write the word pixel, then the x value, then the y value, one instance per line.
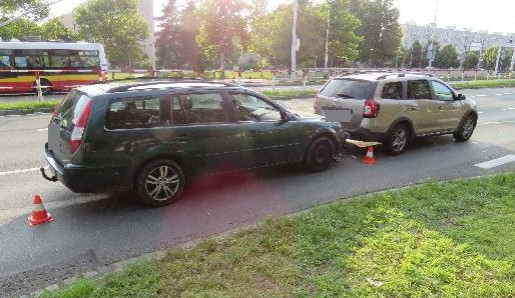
pixel 279 94
pixel 452 239
pixel 483 84
pixel 28 105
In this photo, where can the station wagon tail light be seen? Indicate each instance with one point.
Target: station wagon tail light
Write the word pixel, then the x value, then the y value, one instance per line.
pixel 79 127
pixel 371 109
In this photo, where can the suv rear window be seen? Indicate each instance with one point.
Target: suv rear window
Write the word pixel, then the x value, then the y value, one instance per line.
pixel 346 88
pixel 71 108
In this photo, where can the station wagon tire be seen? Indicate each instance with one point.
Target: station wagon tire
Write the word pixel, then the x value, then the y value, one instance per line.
pixel 319 155
pixel 398 140
pixel 466 129
pixel 160 182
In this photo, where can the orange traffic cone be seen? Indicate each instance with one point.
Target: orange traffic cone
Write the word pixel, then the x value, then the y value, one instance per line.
pixel 39 214
pixel 369 158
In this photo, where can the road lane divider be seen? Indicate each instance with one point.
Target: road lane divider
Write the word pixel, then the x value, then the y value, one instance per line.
pixel 496 162
pixel 19 171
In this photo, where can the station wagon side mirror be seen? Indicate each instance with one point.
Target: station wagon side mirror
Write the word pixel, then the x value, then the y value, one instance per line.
pixel 285 117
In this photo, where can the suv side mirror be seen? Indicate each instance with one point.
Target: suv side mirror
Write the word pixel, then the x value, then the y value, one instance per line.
pixel 461 97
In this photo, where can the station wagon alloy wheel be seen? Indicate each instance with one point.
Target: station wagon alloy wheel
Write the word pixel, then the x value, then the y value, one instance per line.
pixel 160 182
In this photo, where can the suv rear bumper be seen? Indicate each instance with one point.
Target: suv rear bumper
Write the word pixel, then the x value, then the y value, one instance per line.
pixel 82 179
pixel 363 134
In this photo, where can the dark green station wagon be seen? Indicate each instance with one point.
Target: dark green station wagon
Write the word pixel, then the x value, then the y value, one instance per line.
pixel 152 136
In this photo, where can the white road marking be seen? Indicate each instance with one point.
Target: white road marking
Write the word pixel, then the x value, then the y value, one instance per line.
pixel 480 112
pixel 19 171
pixel 496 162
pixel 506 93
pixel 492 122
pixel 43 129
pixel 498 94
pixel 482 95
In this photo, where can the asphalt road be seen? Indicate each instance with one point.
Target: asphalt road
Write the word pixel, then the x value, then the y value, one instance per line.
pixel 94 230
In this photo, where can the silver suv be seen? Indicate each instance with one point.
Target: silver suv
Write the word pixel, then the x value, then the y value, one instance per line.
pixel 392 108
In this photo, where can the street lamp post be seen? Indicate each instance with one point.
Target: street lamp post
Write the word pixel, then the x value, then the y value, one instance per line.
pixel 294 41
pixel 326 57
pixel 432 43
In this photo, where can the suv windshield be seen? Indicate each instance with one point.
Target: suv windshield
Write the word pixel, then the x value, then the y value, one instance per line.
pixel 346 88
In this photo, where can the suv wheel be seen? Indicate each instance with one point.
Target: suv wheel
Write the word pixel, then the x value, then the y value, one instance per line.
pixel 160 182
pixel 397 141
pixel 466 129
pixel 319 155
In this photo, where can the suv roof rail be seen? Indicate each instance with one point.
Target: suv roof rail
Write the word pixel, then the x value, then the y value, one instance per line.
pixel 403 75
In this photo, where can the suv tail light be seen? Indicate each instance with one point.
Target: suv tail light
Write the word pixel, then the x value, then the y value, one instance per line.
pixel 316 105
pixel 79 127
pixel 371 109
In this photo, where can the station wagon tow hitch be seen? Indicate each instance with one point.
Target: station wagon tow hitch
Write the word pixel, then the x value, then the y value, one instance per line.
pixel 52 179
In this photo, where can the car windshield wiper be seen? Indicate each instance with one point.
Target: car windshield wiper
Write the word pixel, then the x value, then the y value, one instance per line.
pixel 342 95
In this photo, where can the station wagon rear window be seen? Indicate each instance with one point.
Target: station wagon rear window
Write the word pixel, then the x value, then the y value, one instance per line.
pixel 138 113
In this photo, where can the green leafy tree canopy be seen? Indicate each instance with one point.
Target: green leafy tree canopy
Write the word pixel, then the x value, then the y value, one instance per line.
pixel 115 24
pixel 448 57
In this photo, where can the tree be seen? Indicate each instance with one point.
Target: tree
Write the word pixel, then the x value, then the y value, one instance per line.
pixel 416 55
pixel 54 29
pixel 20 28
pixel 223 30
pixel 448 57
pixel 490 57
pixel 176 45
pixel 115 24
pixel 343 40
pixel 506 59
pixel 31 9
pixel 192 55
pixel 380 29
pixel 471 60
pixel 168 46
pixel 260 37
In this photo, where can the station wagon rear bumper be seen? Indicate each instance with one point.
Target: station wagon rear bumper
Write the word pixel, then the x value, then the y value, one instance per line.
pixel 83 179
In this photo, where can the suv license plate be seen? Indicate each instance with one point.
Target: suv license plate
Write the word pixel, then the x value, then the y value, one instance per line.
pixel 338 115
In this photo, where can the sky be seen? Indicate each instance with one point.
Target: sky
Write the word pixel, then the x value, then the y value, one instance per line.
pixel 491 15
